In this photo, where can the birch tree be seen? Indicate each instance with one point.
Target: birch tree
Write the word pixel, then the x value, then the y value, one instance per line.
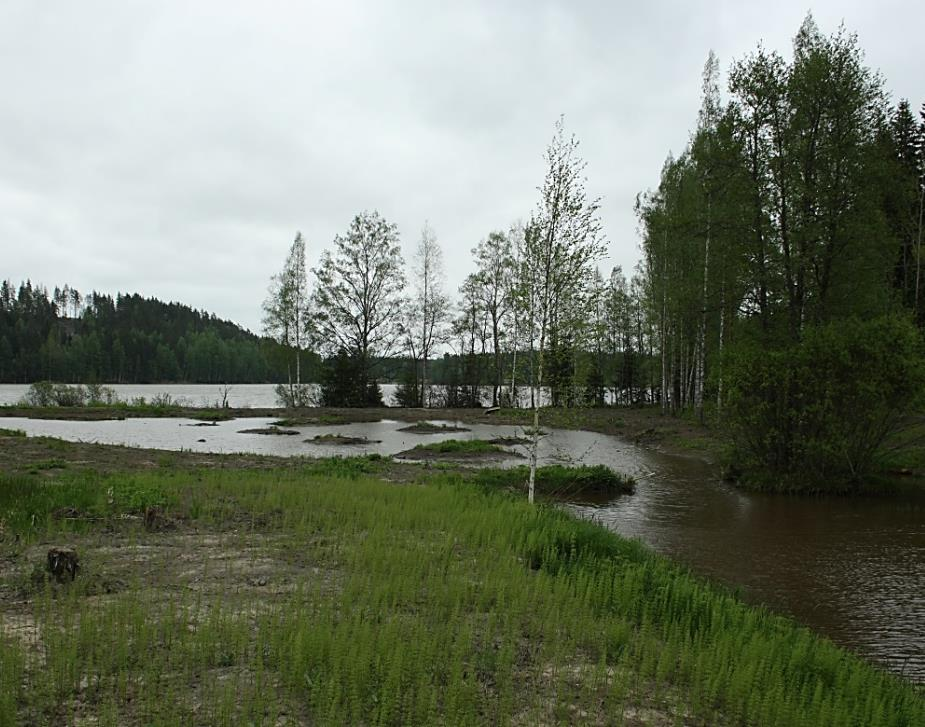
pixel 427 310
pixel 286 318
pixel 358 296
pixel 491 284
pixel 709 115
pixel 562 255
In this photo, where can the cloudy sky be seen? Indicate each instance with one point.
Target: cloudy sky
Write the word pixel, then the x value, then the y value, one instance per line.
pixel 174 148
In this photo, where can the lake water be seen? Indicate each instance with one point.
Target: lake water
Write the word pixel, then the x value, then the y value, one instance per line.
pixel 240 396
pixel 850 568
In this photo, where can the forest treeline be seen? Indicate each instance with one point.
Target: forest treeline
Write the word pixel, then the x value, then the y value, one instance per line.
pixel 781 271
pixel 65 336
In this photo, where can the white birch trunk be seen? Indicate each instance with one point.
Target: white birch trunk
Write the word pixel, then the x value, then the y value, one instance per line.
pixel 702 338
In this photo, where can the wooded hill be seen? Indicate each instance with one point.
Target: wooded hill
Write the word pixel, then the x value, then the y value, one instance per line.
pixel 64 336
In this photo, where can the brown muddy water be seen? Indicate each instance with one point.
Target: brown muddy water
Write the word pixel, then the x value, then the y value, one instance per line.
pixel 852 569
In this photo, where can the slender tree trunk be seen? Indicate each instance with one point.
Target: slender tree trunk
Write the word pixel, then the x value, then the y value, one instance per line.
pixel 722 333
pixel 663 327
pixel 702 338
pixel 514 367
pixel 918 254
pixel 424 352
pixel 531 487
pixel 496 386
pixel 424 402
pixel 532 375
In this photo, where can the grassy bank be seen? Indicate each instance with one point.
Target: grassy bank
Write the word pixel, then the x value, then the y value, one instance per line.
pixel 325 595
pixel 558 481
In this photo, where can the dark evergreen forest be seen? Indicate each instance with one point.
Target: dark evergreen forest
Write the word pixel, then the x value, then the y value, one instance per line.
pixel 63 336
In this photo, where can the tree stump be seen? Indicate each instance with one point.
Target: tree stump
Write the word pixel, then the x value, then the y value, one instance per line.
pixel 63 563
pixel 156 520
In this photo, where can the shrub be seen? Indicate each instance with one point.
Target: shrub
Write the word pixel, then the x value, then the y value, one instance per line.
pixel 41 393
pixel 346 382
pixel 294 396
pixel 814 415
pixel 100 395
pixel 48 393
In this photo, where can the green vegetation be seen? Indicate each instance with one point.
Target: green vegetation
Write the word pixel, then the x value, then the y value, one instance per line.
pixel 91 401
pixel 462 446
pixel 48 393
pixel 66 336
pixel 815 415
pixel 559 481
pixel 49 464
pixel 325 596
pixel 357 302
pixel 11 432
pixel 471 450
pixel 431 428
pixel 782 261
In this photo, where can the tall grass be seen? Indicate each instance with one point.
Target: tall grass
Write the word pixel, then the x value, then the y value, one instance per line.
pixel 460 446
pixel 410 605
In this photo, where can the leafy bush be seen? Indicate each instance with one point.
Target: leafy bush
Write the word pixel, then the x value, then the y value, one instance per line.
pixel 346 382
pixel 814 415
pixel 293 396
pixel 41 393
pixel 100 395
pixel 48 393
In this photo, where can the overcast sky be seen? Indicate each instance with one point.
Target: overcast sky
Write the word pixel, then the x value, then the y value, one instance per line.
pixel 174 148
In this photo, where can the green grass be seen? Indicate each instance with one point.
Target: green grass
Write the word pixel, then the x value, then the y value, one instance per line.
pixel 50 464
pixel 461 446
pixel 11 432
pixel 556 480
pixel 441 604
pixel 431 428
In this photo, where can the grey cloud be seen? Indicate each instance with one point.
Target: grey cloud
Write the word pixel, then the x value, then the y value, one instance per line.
pixel 174 148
